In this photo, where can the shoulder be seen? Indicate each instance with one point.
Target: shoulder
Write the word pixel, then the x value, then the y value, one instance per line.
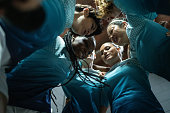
pixel 2 35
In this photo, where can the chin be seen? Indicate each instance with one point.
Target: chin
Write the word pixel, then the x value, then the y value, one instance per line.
pixel 107 61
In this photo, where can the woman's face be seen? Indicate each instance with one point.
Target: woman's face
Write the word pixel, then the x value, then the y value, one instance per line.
pixel 117 34
pixel 83 46
pixel 28 15
pixel 109 54
pixel 26 5
pixel 84 25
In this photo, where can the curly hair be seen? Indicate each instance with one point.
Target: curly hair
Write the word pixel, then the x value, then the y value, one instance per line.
pixel 103 8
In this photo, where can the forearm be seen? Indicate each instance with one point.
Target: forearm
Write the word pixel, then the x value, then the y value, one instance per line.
pixel 101 68
pixel 103 109
pixel 3 92
pixel 4 59
pixel 3 103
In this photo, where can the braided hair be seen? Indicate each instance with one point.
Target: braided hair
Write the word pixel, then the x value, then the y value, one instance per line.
pixel 86 78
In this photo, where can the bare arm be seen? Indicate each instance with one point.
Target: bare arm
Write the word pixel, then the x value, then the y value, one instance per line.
pixel 4 58
pixel 101 68
pixel 102 109
pixel 3 103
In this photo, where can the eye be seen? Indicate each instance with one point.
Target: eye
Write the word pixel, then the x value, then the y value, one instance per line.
pixel 93 27
pixel 85 32
pixel 111 31
pixel 107 48
pixel 89 52
pixel 101 52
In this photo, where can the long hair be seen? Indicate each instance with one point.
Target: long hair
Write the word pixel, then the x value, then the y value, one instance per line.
pixel 86 78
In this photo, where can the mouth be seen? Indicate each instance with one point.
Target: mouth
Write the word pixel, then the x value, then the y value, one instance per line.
pixel 82 55
pixel 107 56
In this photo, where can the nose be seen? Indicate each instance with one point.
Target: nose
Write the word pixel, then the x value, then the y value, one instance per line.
pixel 110 37
pixel 88 33
pixel 104 52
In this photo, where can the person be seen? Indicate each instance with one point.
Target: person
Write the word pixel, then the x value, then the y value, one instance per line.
pixel 5 56
pixel 30 82
pixel 23 38
pixel 146 38
pixel 3 84
pixel 30 30
pixel 30 25
pixel 129 90
pixel 22 22
pixel 85 21
pixel 134 7
pixel 89 96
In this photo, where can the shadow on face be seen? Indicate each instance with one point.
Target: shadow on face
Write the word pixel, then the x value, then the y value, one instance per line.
pixel 84 26
pixel 117 34
pixel 25 18
pixel 109 54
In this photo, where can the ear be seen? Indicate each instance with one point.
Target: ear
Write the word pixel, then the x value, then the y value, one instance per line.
pixel 124 24
pixel 118 49
pixel 86 12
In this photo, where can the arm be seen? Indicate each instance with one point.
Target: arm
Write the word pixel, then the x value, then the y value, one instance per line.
pixel 4 58
pixel 102 109
pixel 3 94
pixel 101 68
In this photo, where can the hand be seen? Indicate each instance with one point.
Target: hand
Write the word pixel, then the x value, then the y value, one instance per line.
pixel 3 103
pixel 168 34
pixel 102 74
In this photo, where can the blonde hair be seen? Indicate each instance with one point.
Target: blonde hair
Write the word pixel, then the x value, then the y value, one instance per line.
pixel 103 8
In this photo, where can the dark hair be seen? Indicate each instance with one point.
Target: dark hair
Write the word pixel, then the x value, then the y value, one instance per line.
pixel 77 66
pixel 92 15
pixel 4 3
pixel 98 21
pixel 25 20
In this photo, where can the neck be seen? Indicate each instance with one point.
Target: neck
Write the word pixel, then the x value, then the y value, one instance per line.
pixel 126 39
pixel 117 60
